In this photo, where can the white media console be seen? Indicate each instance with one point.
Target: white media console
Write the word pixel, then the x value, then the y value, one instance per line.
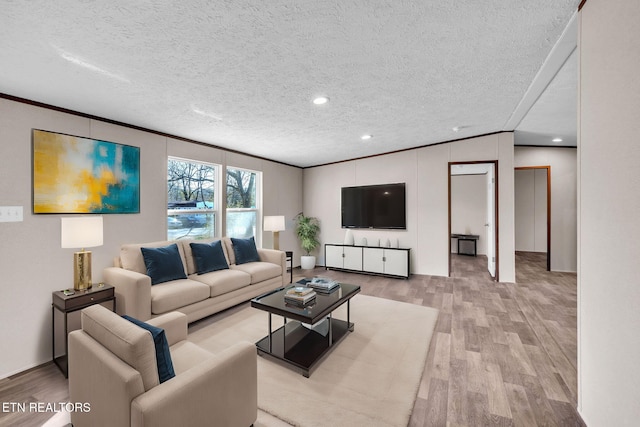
pixel 392 262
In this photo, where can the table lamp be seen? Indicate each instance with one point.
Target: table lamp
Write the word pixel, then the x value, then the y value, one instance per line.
pixel 276 225
pixel 81 232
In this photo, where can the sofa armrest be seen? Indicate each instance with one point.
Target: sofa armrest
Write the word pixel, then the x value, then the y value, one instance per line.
pixel 222 390
pixel 102 380
pixel 275 257
pixel 175 326
pixel 133 292
pixel 272 256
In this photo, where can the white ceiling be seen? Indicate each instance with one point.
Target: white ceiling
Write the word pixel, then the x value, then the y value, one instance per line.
pixel 555 113
pixel 242 74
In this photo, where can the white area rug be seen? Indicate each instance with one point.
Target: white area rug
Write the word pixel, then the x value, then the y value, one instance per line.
pixel 60 419
pixel 370 379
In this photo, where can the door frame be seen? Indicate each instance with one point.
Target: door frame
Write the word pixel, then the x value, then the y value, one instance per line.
pixel 548 168
pixel 497 222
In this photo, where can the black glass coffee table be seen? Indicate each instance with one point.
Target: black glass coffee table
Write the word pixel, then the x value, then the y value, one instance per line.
pixel 309 332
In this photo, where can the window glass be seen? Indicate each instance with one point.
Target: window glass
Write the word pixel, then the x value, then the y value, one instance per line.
pixel 241 188
pixel 243 215
pixel 241 224
pixel 191 199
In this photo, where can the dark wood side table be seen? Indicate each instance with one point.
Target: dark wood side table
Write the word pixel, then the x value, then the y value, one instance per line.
pixel 466 238
pixel 62 305
pixel 289 258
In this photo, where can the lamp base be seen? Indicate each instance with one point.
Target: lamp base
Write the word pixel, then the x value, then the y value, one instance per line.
pixel 82 270
pixel 276 240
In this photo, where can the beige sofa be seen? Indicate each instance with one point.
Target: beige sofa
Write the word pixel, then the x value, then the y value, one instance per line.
pixel 199 295
pixel 113 376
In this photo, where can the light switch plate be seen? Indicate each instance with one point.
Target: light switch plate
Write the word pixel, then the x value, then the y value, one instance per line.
pixel 10 213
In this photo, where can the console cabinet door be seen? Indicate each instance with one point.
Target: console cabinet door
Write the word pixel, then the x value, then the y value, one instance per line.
pixel 373 260
pixel 396 262
pixel 333 256
pixel 352 258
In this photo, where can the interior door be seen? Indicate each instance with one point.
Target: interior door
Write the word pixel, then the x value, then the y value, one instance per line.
pixel 491 220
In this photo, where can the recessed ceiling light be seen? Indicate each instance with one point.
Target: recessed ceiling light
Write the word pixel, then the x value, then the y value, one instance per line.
pixel 366 137
pixel 321 100
pixel 457 128
pixel 557 140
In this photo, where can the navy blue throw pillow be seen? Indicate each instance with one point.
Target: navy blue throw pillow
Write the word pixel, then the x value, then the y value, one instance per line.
pixel 163 356
pixel 245 250
pixel 208 257
pixel 163 264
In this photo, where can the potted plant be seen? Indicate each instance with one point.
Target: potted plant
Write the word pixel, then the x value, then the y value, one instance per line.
pixel 307 229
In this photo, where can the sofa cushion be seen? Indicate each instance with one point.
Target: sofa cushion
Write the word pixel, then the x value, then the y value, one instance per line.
pixel 186 355
pixel 188 253
pixel 131 344
pixel 163 264
pixel 208 257
pixel 223 281
pixel 131 256
pixel 245 250
pixel 259 271
pixel 163 356
pixel 172 295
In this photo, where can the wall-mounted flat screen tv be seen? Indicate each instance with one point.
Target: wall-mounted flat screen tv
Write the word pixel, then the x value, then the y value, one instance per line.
pixel 374 206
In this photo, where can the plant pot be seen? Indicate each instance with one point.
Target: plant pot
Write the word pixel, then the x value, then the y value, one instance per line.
pixel 307 262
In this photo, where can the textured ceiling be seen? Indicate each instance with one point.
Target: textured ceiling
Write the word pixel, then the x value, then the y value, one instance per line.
pixel 555 113
pixel 241 74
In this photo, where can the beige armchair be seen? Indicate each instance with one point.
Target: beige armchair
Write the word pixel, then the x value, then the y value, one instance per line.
pixel 113 372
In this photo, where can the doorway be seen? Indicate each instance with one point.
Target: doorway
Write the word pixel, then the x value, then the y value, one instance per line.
pixel 532 219
pixel 484 234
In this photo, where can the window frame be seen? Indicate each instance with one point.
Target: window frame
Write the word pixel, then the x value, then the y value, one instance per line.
pixel 215 210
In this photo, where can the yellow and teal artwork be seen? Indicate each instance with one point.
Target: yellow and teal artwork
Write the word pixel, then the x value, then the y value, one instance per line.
pixel 72 174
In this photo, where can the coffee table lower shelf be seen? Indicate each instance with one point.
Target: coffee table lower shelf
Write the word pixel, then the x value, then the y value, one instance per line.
pixel 301 347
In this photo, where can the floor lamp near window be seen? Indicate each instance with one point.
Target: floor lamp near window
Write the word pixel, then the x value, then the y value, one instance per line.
pixel 81 232
pixel 276 225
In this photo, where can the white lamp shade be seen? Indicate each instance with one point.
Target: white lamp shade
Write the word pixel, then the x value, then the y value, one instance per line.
pixel 274 223
pixel 81 232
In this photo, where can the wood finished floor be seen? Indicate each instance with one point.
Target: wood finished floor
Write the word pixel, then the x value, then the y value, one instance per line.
pixel 501 354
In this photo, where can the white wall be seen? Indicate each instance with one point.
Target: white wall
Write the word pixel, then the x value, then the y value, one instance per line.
pixel 322 196
pixel 32 264
pixel 469 209
pixel 563 162
pixel 531 210
pixel 425 172
pixel 608 207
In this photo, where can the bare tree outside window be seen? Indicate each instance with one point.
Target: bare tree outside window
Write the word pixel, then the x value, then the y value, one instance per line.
pixel 191 196
pixel 242 203
pixel 241 188
pixel 190 182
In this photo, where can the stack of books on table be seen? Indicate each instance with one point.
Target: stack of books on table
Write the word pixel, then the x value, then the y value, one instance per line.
pixel 300 295
pixel 322 284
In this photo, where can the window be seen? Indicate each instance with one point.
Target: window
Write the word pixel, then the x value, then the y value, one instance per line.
pixel 191 199
pixel 243 214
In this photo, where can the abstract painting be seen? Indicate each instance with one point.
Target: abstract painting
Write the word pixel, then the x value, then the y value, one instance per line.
pixel 72 174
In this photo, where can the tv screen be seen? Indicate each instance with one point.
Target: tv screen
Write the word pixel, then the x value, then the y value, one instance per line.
pixel 374 206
